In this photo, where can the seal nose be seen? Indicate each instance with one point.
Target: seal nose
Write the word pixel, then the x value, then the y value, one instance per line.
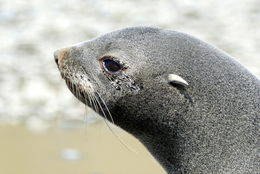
pixel 60 54
pixel 56 58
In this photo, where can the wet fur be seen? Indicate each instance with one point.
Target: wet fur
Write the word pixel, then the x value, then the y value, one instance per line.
pixel 211 126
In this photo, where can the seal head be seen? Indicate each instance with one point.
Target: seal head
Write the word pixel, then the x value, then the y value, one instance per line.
pixel 194 107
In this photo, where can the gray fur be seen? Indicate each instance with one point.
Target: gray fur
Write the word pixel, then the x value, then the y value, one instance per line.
pixel 210 126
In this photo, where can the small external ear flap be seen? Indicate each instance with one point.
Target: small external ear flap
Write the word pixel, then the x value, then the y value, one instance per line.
pixel 176 80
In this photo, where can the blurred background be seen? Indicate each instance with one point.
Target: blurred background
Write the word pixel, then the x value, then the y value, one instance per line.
pixel 43 128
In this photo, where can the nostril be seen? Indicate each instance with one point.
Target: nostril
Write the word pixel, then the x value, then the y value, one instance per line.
pixel 56 57
pixel 60 55
pixel 56 60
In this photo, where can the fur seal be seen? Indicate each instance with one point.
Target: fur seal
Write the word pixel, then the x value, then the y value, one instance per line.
pixel 193 106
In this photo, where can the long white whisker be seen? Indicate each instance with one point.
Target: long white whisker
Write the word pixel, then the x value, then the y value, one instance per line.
pixel 110 115
pixel 86 101
pixel 94 103
pixel 113 132
pixel 99 106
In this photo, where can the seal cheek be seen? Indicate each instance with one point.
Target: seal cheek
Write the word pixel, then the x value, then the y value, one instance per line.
pixel 87 86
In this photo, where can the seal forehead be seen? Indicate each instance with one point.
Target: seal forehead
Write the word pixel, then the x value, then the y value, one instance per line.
pixel 127 34
pixel 134 31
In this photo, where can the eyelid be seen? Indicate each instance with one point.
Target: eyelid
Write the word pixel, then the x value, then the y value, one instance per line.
pixel 108 57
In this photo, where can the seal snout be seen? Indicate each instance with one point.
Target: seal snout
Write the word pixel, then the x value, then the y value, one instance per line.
pixel 60 54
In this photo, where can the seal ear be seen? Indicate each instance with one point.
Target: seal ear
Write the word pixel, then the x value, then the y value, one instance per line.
pixel 176 80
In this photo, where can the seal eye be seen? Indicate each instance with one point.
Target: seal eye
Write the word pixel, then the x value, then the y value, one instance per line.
pixel 111 66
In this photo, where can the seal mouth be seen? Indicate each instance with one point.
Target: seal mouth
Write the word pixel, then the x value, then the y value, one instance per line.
pixel 84 91
pixel 80 87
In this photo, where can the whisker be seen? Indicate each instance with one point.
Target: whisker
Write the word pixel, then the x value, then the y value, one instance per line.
pixel 86 101
pixel 101 109
pixel 95 101
pixel 110 115
pixel 77 91
pixel 90 100
pixel 110 128
pixel 72 87
pixel 94 104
